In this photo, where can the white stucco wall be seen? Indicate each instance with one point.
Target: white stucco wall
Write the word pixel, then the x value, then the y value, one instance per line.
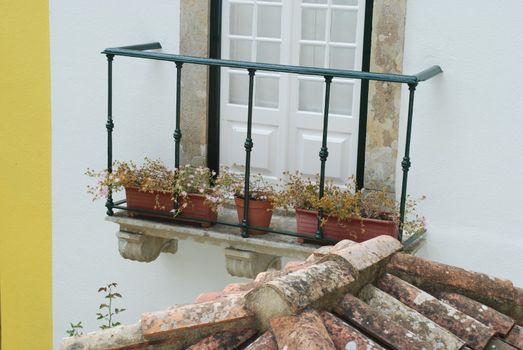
pixel 85 254
pixel 467 148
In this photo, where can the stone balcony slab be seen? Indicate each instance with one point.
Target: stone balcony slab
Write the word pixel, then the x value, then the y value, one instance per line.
pixel 221 235
pixel 143 239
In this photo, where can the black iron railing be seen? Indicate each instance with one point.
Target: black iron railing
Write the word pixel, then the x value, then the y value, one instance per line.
pixel 139 51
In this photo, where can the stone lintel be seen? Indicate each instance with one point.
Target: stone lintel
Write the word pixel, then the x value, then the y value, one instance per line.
pixel 241 263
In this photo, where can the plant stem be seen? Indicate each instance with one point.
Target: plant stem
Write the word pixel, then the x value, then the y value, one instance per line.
pixel 110 307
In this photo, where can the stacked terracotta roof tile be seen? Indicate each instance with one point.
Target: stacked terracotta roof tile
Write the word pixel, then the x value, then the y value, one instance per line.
pixel 349 296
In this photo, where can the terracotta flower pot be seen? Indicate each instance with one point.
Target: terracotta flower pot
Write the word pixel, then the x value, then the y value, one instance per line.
pixel 197 209
pixel 157 201
pixel 358 230
pixel 260 214
pixel 162 202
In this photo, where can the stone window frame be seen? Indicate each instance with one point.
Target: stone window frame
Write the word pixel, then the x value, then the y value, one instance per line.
pixel 384 35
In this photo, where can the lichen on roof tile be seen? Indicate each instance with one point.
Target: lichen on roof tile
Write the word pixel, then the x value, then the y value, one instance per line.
pixel 304 331
pixel 345 336
pixel 425 329
pixel 229 340
pixel 175 320
pixel 472 332
pixel 293 308
pixel 493 319
pixel 379 326
pixel 498 293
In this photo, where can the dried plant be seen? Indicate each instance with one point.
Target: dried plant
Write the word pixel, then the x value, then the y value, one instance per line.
pixel 153 177
pixel 230 184
pixel 346 202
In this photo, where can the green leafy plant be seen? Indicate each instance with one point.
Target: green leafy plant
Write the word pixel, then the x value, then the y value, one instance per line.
pixel 107 311
pixel 75 329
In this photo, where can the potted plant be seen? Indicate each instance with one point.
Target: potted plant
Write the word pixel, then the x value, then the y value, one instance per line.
pixel 184 192
pixel 261 197
pixel 346 212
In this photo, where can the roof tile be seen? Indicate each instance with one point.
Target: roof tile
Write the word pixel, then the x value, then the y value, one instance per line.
pixel 499 322
pixel 345 336
pixel 128 337
pixel 425 329
pixel 432 276
pixel 209 296
pixel 379 326
pixel 264 342
pixel 305 331
pixel 366 259
pixel 515 337
pixel 475 334
pixel 400 316
pixel 239 287
pixel 228 312
pixel 229 340
pixel 291 293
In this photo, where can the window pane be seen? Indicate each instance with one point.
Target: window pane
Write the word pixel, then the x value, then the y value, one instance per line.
pixel 311 96
pixel 238 89
pixel 342 57
pixel 312 55
pixel 341 98
pixel 240 21
pixel 345 2
pixel 314 1
pixel 240 50
pixel 313 24
pixel 269 21
pixel 343 26
pixel 268 52
pixel 267 90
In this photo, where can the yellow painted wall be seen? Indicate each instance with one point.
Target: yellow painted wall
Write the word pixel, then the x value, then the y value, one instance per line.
pixel 25 175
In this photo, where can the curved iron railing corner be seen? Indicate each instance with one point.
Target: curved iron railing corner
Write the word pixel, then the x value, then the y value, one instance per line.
pixel 428 73
pixel 140 51
pixel 139 47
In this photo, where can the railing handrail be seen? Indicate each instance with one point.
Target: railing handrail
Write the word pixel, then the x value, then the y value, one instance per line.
pixel 138 51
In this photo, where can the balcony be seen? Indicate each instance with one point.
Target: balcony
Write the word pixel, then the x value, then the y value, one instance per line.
pixel 144 239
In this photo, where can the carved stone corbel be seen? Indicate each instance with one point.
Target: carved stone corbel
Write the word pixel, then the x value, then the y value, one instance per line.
pixel 139 247
pixel 242 263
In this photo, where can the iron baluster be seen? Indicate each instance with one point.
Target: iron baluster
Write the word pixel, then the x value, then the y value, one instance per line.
pixel 177 131
pixel 324 152
pixel 109 125
pixel 405 164
pixel 248 148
